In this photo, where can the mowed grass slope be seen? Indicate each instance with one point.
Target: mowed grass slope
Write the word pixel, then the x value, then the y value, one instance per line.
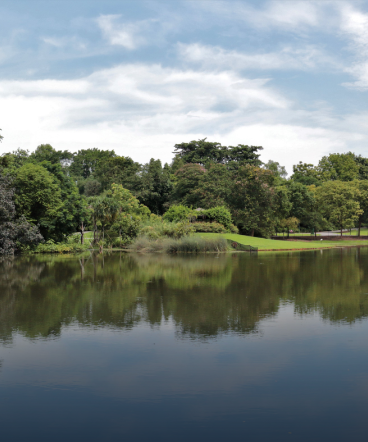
pixel 272 244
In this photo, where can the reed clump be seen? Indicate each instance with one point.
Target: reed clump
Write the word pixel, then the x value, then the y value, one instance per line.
pixel 188 244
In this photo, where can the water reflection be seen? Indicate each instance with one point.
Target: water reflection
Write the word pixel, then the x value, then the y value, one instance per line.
pixel 204 296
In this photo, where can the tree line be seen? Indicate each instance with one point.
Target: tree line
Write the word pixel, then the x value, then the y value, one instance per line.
pixel 51 194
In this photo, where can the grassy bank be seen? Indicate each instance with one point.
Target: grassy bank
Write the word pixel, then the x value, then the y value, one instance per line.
pixel 271 244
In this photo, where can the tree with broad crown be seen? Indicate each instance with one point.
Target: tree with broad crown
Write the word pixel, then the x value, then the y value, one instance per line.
pixel 14 232
pixel 188 179
pixel 338 166
pixel 205 152
pixel 338 201
pixel 253 200
pixel 38 197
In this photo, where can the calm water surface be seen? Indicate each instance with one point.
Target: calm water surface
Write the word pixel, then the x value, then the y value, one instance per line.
pixel 188 348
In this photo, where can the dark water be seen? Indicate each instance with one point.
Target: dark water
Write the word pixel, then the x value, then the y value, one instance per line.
pixel 209 348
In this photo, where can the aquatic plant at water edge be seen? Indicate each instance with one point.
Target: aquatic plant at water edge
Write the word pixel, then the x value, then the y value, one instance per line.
pixel 189 244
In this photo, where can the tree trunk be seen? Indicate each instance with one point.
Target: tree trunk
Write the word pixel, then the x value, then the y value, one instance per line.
pixel 360 225
pixel 252 234
pixel 340 230
pixel 82 233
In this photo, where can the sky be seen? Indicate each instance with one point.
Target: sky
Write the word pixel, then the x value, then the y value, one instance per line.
pixel 141 76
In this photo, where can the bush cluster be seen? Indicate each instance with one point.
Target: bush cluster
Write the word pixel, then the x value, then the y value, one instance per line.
pixel 209 227
pixel 63 247
pixel 169 230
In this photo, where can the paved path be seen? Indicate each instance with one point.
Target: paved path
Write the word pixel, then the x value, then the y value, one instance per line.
pixel 334 232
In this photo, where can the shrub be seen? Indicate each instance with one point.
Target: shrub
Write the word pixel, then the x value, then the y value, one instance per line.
pixel 151 232
pixel 177 213
pixel 209 227
pixel 178 230
pixel 220 214
pixel 127 226
pixel 170 230
pixel 51 247
pixel 234 229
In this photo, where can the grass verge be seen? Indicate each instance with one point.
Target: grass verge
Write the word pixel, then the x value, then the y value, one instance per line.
pixel 273 244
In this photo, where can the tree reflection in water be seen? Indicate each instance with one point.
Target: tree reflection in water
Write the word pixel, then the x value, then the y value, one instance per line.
pixel 204 296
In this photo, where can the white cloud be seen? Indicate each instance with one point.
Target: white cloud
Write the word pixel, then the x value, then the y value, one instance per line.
pixel 128 35
pixel 288 58
pixel 57 42
pixel 143 110
pixel 285 14
pixel 354 25
pixel 291 15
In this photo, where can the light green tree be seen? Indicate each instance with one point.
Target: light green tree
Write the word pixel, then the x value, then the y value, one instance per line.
pixel 38 197
pixel 363 202
pixel 338 166
pixel 338 202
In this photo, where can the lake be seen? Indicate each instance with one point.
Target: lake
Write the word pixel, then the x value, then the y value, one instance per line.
pixel 267 347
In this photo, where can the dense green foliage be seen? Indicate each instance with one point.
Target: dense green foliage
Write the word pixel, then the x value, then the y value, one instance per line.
pixel 15 232
pixel 216 188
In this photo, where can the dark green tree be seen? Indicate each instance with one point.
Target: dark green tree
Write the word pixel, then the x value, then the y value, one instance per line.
pixel 188 180
pixel 363 203
pixel 119 170
pixel 214 187
pixel 38 197
pixel 362 167
pixel 303 204
pixel 253 200
pixel 45 152
pixel 86 161
pixel 15 232
pixel 206 152
pixel 305 174
pixel 156 186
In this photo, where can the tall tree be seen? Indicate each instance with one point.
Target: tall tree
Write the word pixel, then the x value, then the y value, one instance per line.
pixel 278 170
pixel 253 200
pixel 338 166
pixel 338 201
pixel 303 204
pixel 363 203
pixel 45 152
pixel 205 152
pixel 86 161
pixel 188 180
pixel 119 170
pixel 38 197
pixel 155 186
pixel 306 174
pixel 14 231
pixel 214 187
pixel 362 167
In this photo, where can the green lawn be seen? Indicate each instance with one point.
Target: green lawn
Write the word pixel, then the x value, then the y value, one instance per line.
pixel 363 232
pixel 271 244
